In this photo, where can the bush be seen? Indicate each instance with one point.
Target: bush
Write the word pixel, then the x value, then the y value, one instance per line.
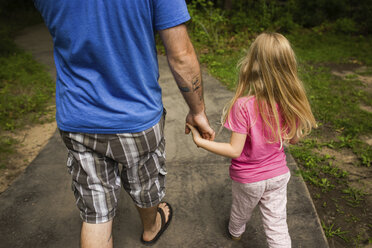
pixel 286 15
pixel 314 13
pixel 208 24
pixel 346 26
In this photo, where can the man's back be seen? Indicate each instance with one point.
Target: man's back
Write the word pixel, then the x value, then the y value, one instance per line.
pixel 106 61
pixel 107 85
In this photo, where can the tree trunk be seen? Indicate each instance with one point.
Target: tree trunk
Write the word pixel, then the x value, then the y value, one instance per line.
pixel 227 4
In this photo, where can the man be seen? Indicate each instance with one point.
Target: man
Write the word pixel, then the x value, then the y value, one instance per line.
pixel 109 107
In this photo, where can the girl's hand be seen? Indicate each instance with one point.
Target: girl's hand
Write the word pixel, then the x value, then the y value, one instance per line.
pixel 195 134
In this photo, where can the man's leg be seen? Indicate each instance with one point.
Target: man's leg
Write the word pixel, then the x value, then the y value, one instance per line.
pixel 96 235
pixel 96 185
pixel 151 220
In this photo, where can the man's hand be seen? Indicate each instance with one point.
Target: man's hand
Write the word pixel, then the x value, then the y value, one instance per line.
pixel 200 121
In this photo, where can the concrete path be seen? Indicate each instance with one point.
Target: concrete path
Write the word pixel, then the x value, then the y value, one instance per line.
pixel 38 209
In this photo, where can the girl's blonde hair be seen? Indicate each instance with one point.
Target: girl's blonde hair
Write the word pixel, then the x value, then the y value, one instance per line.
pixel 269 72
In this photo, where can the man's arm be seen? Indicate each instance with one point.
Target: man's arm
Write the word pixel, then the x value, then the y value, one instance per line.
pixel 185 68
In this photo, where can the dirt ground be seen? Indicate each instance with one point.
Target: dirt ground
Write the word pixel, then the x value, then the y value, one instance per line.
pixel 30 141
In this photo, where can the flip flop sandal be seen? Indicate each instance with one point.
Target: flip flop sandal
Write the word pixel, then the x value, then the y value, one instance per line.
pixel 164 226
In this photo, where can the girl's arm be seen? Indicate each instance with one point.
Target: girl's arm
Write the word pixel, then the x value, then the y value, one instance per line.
pixel 231 150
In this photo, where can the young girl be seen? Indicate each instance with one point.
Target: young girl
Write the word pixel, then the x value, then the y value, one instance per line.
pixel 269 108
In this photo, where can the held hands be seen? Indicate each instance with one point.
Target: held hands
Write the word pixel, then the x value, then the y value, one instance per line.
pixel 201 125
pixel 195 134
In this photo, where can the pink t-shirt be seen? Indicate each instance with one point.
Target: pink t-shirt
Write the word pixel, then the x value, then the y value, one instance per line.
pixel 259 160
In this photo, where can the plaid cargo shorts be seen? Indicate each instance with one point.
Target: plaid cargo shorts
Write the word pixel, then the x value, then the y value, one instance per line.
pixel 94 163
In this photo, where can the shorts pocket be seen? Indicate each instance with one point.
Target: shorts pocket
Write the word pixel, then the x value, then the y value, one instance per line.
pixel 70 162
pixel 160 160
pixel 163 171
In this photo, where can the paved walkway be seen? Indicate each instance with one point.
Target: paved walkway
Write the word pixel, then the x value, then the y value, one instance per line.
pixel 38 209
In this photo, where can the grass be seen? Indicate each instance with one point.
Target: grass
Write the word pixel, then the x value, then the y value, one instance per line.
pixel 353 196
pixel 26 89
pixel 223 66
pixel 319 48
pixel 331 232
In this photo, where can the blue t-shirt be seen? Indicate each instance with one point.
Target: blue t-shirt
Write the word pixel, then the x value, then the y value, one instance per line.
pixel 106 61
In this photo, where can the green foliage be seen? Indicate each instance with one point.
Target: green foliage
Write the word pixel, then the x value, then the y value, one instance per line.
pixel 261 15
pixel 344 14
pixel 353 196
pixel 222 66
pixel 6 149
pixel 24 88
pixel 7 45
pixel 346 26
pixel 15 15
pixel 314 13
pixel 329 231
pixel 318 47
pixel 6 144
pixel 208 26
pixel 339 15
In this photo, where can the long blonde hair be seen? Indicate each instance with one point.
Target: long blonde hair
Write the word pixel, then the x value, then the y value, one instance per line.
pixel 269 72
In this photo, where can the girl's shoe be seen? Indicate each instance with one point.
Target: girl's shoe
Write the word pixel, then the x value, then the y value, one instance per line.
pixel 231 236
pixel 236 238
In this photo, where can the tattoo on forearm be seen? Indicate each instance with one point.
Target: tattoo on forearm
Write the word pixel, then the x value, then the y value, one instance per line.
pixel 196 83
pixel 181 82
pixel 109 238
pixel 183 89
